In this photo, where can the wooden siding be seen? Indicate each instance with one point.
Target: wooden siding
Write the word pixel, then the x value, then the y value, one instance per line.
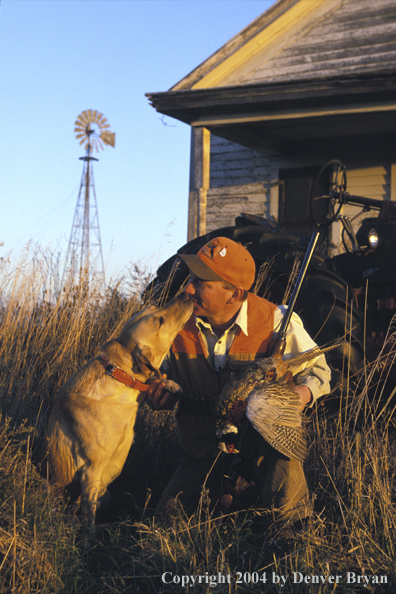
pixel 369 181
pixel 239 182
pixel 226 203
pixel 357 37
pixel 232 164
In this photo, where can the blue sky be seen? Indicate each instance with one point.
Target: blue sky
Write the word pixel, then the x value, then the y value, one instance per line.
pixel 61 57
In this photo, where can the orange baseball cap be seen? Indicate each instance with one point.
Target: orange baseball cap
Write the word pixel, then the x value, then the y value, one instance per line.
pixel 223 259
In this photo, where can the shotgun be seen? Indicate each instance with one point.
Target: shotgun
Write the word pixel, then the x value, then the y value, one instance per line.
pixel 279 343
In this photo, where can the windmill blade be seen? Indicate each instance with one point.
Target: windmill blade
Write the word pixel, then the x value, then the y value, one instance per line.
pixel 80 131
pixel 108 137
pixel 83 135
pixel 94 115
pixel 99 143
pixel 102 121
pixel 87 116
pixel 84 116
pixel 80 125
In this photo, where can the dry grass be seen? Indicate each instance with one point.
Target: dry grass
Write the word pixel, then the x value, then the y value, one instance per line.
pixel 46 335
pixel 351 472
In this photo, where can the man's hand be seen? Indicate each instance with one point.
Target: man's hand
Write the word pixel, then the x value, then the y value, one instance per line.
pixel 158 397
pixel 305 395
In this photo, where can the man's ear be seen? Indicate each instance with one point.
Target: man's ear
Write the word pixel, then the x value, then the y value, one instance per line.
pixel 236 295
pixel 141 358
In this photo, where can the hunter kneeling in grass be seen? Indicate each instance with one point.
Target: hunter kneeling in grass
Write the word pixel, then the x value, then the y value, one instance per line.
pixel 229 328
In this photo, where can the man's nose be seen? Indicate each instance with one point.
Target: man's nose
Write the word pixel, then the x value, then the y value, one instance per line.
pixel 189 289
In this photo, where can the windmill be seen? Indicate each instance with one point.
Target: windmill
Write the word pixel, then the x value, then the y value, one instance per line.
pixel 84 258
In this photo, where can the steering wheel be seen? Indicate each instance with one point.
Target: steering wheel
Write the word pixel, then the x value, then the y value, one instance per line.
pixel 323 215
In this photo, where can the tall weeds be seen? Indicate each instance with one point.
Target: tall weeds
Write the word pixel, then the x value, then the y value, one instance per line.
pixel 45 336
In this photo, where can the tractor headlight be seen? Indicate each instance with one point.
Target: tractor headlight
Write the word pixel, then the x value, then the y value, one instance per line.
pixel 373 238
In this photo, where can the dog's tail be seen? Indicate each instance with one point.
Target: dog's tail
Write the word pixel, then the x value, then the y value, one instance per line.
pixel 62 467
pixel 40 458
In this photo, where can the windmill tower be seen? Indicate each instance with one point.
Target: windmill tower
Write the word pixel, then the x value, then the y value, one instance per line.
pixel 84 258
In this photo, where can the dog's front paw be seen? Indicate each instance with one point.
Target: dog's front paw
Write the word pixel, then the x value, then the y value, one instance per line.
pixel 173 387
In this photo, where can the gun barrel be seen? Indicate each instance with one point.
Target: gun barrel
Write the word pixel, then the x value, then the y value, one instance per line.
pixel 297 287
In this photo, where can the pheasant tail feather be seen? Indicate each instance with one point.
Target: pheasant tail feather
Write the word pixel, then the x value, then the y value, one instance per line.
pixel 311 354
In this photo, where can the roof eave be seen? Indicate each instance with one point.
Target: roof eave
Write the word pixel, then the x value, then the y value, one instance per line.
pixel 187 105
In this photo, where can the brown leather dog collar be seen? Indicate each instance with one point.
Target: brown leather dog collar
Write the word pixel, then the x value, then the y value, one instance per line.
pixel 120 375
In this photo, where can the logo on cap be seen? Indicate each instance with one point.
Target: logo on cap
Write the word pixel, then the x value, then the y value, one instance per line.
pixel 214 248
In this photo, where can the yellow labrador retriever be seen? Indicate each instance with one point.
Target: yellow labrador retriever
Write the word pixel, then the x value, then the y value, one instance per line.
pixel 91 427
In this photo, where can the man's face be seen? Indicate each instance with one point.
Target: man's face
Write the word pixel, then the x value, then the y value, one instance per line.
pixel 209 297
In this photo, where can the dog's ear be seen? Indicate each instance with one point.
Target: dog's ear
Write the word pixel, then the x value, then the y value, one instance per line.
pixel 141 357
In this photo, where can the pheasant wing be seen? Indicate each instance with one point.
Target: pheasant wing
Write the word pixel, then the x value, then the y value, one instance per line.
pixel 274 411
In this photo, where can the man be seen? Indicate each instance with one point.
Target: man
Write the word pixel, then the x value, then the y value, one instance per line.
pixel 229 328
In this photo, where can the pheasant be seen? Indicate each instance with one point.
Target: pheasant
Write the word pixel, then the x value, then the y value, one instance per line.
pixel 264 392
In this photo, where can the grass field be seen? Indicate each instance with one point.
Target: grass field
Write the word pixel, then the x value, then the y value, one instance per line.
pixel 348 546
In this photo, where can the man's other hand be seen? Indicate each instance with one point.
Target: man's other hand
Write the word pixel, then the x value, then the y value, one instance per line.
pixel 305 395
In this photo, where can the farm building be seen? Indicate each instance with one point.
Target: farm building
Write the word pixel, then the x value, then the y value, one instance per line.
pixel 306 82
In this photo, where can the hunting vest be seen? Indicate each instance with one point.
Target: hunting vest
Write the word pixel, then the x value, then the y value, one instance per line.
pixel 196 425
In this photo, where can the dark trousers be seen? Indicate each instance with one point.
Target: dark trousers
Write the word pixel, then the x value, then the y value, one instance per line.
pixel 281 482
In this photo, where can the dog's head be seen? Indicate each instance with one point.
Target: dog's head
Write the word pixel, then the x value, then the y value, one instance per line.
pixel 149 335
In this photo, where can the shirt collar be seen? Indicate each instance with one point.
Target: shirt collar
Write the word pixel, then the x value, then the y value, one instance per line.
pixel 240 320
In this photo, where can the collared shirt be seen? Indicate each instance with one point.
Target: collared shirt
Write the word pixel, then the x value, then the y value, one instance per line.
pixel 315 374
pixel 217 347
